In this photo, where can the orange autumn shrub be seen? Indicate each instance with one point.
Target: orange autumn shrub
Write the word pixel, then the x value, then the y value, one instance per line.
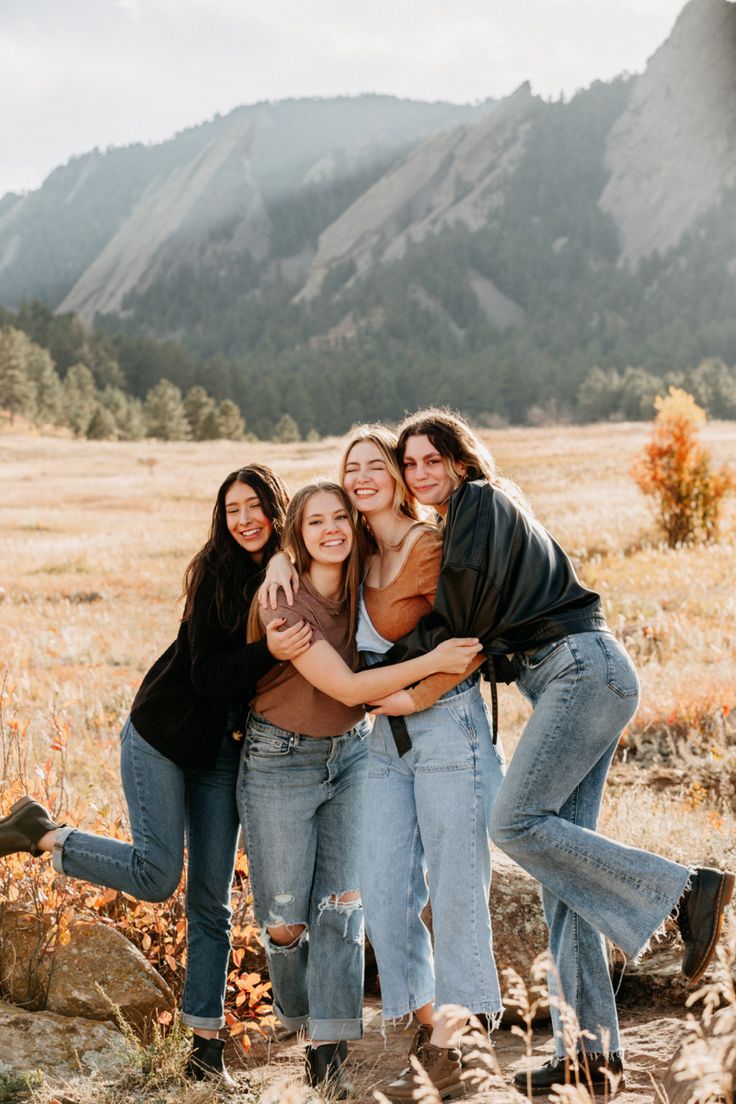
pixel 675 469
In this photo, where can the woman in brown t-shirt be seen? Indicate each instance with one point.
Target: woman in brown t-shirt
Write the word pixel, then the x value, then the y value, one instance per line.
pixel 301 785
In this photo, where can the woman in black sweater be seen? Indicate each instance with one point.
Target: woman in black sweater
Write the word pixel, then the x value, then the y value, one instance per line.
pixel 179 761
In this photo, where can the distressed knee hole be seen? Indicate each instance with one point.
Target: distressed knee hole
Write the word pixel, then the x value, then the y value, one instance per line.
pixel 352 897
pixel 286 935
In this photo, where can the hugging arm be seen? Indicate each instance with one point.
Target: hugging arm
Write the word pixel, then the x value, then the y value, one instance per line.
pixel 324 668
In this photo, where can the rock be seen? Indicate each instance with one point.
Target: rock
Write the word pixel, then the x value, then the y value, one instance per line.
pixel 519 930
pixel 657 979
pixel 36 973
pixel 671 152
pixel 706 1057
pixel 58 1046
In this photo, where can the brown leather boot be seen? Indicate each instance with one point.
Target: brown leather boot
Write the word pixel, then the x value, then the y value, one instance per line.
pixel 441 1064
pixel 23 827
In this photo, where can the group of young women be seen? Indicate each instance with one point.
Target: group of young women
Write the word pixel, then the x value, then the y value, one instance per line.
pixel 369 603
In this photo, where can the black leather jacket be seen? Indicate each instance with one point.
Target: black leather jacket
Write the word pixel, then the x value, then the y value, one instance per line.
pixel 503 579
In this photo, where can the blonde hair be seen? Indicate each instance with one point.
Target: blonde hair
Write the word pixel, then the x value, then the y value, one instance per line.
pixel 293 542
pixel 404 504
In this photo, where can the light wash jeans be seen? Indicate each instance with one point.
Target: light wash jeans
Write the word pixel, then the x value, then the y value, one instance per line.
pixel 584 690
pixel 300 799
pixel 166 805
pixel 428 813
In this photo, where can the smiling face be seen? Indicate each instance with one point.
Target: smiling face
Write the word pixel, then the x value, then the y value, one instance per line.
pixel 367 480
pixel 326 528
pixel 428 475
pixel 247 522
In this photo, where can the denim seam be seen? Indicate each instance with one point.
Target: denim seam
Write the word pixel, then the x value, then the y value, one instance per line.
pixel 411 910
pixel 187 821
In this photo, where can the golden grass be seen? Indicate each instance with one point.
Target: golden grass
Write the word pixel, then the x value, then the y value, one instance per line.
pixel 96 536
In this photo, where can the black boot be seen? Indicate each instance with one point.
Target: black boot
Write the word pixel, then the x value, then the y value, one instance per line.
pixel 324 1065
pixel 23 827
pixel 591 1074
pixel 700 918
pixel 205 1062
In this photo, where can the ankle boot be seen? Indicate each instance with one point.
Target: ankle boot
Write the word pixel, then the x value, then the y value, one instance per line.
pixel 442 1065
pixel 324 1068
pixel 699 917
pixel 205 1062
pixel 589 1071
pixel 23 827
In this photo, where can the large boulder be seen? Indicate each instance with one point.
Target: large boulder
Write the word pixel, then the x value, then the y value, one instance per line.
pixel 96 971
pixel 58 1046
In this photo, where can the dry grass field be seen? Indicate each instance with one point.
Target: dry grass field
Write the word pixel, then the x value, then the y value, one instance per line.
pixel 94 539
pixel 95 536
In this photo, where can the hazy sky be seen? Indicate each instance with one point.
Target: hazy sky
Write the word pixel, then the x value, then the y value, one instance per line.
pixel 75 74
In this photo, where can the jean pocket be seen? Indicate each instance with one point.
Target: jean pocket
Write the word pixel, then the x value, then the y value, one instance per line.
pixel 260 743
pixel 532 660
pixel 621 676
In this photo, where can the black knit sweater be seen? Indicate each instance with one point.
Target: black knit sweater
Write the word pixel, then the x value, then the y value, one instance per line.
pixel 182 705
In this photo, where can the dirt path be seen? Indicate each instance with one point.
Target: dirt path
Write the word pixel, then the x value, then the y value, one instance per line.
pixel 649 1043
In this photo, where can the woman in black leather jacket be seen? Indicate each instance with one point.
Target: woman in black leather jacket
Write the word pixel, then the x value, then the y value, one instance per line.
pixel 505 580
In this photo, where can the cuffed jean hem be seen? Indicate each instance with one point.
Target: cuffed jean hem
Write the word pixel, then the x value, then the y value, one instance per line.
pixel 334 1030
pixel 291 1023
pixel 57 855
pixel 206 1023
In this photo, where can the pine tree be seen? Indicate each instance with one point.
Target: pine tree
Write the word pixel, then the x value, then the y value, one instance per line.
pixel 102 425
pixel 80 398
pixel 230 421
pixel 286 430
pixel 164 411
pixel 17 393
pixel 127 413
pixel 197 406
pixel 49 397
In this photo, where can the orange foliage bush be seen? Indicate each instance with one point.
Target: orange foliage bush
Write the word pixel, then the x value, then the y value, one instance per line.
pixel 675 469
pixel 158 930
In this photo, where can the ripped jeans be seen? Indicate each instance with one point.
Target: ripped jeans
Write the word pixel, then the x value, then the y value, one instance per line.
pixel 300 801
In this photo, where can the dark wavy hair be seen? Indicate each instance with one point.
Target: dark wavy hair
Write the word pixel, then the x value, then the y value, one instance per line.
pixel 457 444
pixel 236 572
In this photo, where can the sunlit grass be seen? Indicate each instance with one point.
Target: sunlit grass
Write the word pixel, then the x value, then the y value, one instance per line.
pixel 95 537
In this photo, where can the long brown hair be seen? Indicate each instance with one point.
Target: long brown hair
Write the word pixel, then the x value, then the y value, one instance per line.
pixel 293 542
pixel 459 447
pixel 236 572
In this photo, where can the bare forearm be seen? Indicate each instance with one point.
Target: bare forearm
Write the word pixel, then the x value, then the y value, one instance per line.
pixel 325 669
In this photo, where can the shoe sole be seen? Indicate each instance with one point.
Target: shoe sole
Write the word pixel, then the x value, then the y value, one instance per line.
pixel 725 894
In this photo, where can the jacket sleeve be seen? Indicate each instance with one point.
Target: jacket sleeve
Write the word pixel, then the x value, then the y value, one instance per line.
pixel 431 689
pixel 465 585
pixel 221 669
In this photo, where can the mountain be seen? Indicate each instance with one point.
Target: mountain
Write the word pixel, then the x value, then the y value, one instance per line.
pixel 110 222
pixel 352 258
pixel 673 150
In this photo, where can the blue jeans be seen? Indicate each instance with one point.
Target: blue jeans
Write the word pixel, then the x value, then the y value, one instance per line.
pixel 584 690
pixel 428 812
pixel 165 804
pixel 300 799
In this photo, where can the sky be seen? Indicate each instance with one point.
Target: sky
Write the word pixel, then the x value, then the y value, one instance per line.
pixel 81 74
